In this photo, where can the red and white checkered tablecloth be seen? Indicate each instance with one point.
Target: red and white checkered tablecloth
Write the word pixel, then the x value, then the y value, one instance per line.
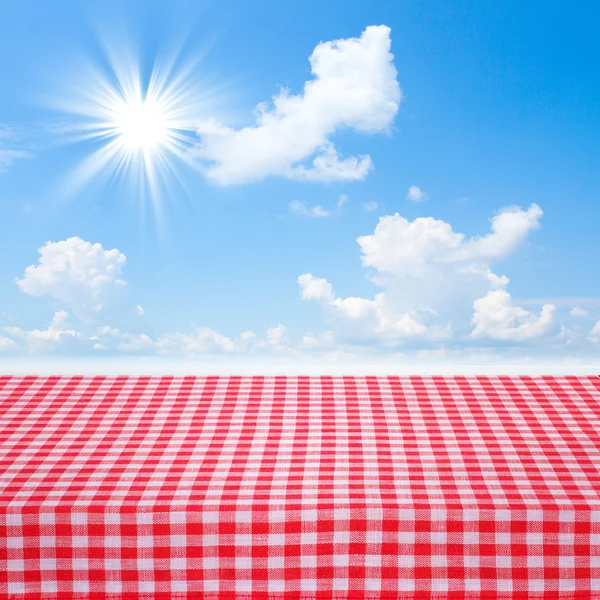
pixel 299 487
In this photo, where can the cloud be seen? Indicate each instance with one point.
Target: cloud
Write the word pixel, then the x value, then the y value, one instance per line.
pixel 329 166
pixel 497 318
pixel 203 340
pixel 415 194
pixel 59 333
pixel 278 338
pixel 301 209
pixel 76 272
pixel 9 157
pixel 509 229
pixel 433 281
pixel 318 341
pixel 108 337
pixel 567 335
pixel 314 288
pixel 343 199
pixel 6 344
pixel 353 87
pixel 412 249
pixel 594 334
pixel 372 315
pixel 370 206
pixel 8 133
pixel 437 293
pixel 578 312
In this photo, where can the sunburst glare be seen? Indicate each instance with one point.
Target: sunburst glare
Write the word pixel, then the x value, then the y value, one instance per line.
pixel 141 132
pixel 142 125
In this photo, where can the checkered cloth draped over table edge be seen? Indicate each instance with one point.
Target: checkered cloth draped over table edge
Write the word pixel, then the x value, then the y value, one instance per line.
pixel 299 487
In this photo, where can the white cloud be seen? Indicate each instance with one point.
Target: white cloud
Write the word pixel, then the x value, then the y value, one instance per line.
pixel 353 307
pixel 434 285
pixel 112 337
pixel 496 317
pixel 415 194
pixel 329 166
pixel 206 341
pixel 314 288
pixel 430 279
pixel 8 133
pixel 370 206
pixel 343 199
pixel 58 333
pixel 301 209
pixel 139 310
pixel 7 344
pixel 318 341
pixel 137 343
pixel 509 230
pixel 353 87
pixel 594 334
pixel 9 157
pixel 76 272
pixel 406 248
pixel 578 312
pixel 200 341
pixel 371 313
pixel 203 340
pixel 278 337
pixel 567 335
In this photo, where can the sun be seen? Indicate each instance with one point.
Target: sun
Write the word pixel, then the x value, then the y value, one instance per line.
pixel 135 128
pixel 142 125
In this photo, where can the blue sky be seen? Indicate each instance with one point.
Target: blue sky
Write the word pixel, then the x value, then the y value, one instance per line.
pixel 291 230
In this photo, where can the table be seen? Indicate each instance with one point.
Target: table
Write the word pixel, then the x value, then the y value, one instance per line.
pixel 312 487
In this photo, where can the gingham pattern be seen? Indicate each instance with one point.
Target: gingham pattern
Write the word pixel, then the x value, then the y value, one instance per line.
pixel 299 487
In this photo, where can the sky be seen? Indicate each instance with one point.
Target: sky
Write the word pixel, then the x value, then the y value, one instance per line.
pixel 340 183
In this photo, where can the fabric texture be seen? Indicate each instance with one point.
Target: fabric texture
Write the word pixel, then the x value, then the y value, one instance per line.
pixel 299 487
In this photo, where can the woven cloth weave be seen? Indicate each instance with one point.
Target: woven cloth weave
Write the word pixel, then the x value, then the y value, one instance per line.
pixel 299 487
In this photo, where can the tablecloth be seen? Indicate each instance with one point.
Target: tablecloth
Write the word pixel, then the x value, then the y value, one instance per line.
pixel 299 487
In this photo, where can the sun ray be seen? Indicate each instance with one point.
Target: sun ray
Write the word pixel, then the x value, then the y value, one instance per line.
pixel 142 131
